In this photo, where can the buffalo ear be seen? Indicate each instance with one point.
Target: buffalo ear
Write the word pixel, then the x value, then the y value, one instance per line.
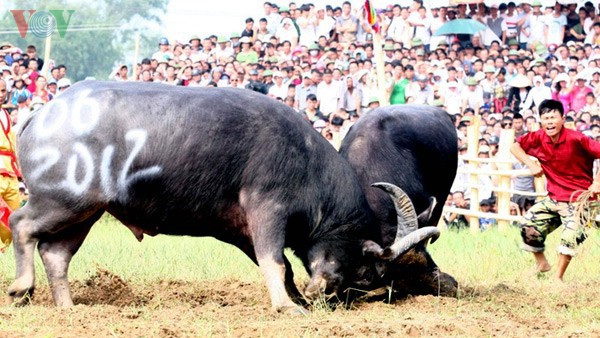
pixel 425 216
pixel 370 247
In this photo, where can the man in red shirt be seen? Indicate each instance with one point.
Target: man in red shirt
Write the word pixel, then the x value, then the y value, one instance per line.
pixel 566 158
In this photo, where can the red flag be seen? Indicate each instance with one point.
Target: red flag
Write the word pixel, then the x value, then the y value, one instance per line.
pixel 371 15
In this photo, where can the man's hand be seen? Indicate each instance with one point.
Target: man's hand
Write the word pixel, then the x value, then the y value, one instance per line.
pixel 536 169
pixel 595 187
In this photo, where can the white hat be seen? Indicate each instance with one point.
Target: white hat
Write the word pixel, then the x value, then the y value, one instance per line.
pixel 360 74
pixel 537 79
pixel 561 77
pixel 484 149
pixel 319 124
pixel 452 84
pixel 580 76
pixel 64 82
pixel 277 74
pixel 520 81
pixel 245 39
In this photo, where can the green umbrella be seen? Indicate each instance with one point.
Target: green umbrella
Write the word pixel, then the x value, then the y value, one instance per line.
pixel 460 26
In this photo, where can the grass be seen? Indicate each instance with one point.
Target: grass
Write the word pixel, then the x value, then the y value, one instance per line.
pixel 490 257
pixel 499 296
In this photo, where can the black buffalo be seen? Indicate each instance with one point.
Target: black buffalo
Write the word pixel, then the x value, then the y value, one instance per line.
pixel 227 163
pixel 415 148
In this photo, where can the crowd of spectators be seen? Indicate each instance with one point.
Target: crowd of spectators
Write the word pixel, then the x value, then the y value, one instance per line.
pixel 320 61
pixel 30 82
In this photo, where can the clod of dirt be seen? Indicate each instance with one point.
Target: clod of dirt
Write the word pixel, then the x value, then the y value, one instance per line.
pixel 105 288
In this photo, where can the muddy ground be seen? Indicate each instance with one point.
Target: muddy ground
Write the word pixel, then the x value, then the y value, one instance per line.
pixel 107 306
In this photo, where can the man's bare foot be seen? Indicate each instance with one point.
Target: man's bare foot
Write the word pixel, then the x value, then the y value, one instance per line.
pixel 543 267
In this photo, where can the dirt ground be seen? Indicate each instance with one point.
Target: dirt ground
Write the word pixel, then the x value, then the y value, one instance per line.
pixel 109 307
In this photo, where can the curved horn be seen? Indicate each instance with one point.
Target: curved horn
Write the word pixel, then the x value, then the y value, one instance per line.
pixel 407 216
pixel 408 242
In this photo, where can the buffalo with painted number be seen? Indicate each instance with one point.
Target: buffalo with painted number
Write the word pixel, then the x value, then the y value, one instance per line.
pixel 227 163
pixel 415 148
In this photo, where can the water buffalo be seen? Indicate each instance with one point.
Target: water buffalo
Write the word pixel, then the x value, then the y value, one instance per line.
pixel 227 163
pixel 415 148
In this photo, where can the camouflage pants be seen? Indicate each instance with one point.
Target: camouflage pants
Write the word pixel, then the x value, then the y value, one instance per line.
pixel 546 216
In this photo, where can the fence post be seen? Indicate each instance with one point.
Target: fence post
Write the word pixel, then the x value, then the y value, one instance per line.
pixel 539 183
pixel 472 152
pixel 507 137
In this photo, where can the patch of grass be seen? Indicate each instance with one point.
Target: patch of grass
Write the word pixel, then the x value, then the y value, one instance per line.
pixel 202 287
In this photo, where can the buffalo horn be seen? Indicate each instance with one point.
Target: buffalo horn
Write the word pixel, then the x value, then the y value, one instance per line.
pixel 407 216
pixel 408 242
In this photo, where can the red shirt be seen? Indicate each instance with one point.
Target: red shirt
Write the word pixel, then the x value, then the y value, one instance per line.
pixel 568 164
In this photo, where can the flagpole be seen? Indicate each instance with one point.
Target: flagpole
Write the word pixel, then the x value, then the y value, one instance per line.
pixel 136 54
pixel 371 16
pixel 379 68
pixel 47 48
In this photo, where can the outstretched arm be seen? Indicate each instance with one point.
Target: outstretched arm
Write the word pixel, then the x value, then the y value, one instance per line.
pixel 521 155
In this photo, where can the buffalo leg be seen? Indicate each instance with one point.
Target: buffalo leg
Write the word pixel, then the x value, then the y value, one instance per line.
pixel 268 239
pixel 24 247
pixel 57 251
pixel 290 286
pixel 243 244
pixel 38 220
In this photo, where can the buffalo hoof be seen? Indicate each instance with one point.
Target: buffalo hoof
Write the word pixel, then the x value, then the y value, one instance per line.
pixel 293 310
pixel 20 297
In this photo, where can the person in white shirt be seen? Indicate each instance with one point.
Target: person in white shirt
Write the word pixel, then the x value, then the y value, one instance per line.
pixel 325 24
pixel 397 24
pixel 555 26
pixel 537 22
pixel 279 89
pixel 511 19
pixel 422 24
pixel 328 93
pixel 438 20
pixel 524 25
pixel 307 23
pixel 164 53
pixel 537 94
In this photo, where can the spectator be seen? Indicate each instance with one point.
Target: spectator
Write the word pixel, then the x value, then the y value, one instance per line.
pixel 41 93
pixel 311 113
pixel 473 98
pixel 579 93
pixel 307 23
pixel 287 32
pixel 303 90
pixel 328 93
pixel 164 53
pixel 555 26
pixel 497 25
pixel 279 89
pixel 246 55
pixel 346 25
pixel 486 206
pixel 262 33
pixel 63 84
pixel 537 94
pixel 32 55
pixel 421 23
pixel 121 74
pixel 455 221
pixel 249 30
pixel 350 97
pixel 562 91
pixel 19 91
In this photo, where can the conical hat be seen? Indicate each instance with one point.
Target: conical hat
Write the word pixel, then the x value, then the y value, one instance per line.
pixel 520 81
